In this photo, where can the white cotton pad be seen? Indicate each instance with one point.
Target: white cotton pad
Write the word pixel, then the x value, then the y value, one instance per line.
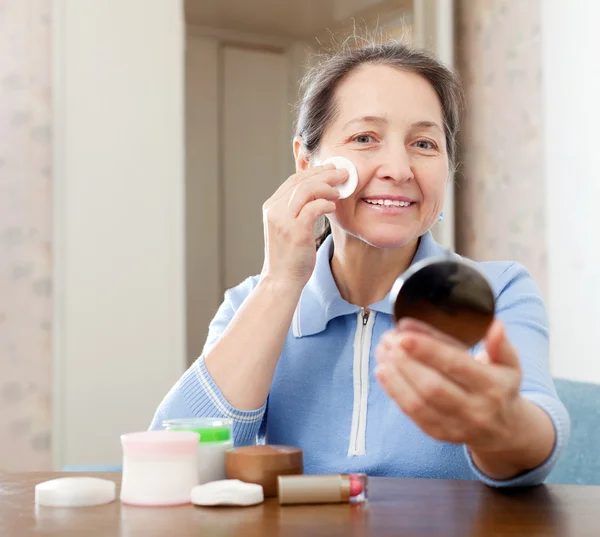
pixel 227 492
pixel 346 189
pixel 75 492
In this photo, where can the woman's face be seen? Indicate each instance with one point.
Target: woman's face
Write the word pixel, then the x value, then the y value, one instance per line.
pixel 390 124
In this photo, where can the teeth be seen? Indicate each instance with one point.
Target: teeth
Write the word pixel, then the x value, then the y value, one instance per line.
pixel 389 203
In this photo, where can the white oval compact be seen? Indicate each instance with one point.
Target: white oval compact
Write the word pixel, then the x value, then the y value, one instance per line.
pixel 227 492
pixel 75 492
pixel 347 188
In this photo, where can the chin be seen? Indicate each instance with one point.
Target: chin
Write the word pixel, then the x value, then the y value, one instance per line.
pixel 387 243
pixel 381 234
pixel 389 238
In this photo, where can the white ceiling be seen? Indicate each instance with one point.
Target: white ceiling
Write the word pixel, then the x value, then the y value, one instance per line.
pixel 290 18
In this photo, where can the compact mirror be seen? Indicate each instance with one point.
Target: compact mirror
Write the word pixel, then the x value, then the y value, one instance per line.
pixel 448 294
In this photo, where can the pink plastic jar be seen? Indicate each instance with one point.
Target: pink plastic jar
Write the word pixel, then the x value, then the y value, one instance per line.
pixel 160 468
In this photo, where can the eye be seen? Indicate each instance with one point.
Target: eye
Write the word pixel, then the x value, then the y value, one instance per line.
pixel 425 144
pixel 363 139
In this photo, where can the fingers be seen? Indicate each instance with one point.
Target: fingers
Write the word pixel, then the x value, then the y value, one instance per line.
pixel 311 211
pixel 433 388
pixel 398 388
pixel 431 421
pixel 308 191
pixel 447 393
pixel 454 363
pixel 327 173
pixel 408 324
pixel 498 347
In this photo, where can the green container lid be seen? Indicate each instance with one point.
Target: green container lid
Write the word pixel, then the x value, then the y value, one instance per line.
pixel 208 434
pixel 209 429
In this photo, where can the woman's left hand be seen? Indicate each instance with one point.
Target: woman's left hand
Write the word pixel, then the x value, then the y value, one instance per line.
pixel 450 395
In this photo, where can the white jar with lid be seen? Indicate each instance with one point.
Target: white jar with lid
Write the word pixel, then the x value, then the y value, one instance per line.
pixel 160 468
pixel 216 437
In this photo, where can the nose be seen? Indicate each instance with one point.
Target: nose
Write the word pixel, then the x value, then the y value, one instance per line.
pixel 395 165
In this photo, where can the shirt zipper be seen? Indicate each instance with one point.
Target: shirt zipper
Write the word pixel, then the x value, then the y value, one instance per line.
pixel 362 346
pixel 365 320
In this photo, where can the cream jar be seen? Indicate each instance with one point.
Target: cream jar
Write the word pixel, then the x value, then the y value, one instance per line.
pixel 160 468
pixel 216 438
pixel 263 465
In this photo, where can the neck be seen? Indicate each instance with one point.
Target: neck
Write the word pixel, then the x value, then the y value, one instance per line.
pixel 365 274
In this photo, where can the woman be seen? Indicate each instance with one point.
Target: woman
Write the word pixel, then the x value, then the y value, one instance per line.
pixel 308 352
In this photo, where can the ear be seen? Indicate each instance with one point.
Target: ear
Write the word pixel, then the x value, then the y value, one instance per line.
pixel 302 161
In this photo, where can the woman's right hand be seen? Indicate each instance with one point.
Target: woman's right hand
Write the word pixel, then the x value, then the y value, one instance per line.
pixel 289 217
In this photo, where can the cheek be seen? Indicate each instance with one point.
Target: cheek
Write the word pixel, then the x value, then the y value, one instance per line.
pixel 362 183
pixel 345 208
pixel 345 213
pixel 366 169
pixel 433 180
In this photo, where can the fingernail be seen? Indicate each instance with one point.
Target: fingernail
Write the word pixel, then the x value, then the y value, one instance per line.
pixel 398 341
pixel 410 324
pixel 401 324
pixel 408 343
pixel 394 338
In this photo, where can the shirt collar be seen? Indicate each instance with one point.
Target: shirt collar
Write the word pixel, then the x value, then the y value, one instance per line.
pixel 321 301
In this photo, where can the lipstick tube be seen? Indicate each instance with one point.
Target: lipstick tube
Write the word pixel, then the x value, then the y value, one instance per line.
pixel 313 489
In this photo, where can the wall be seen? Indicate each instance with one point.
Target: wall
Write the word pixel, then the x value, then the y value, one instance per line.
pixel 571 82
pixel 530 188
pixel 344 9
pixel 232 166
pixel 500 200
pixel 203 289
pixel 119 220
pixel 25 236
pixel 432 25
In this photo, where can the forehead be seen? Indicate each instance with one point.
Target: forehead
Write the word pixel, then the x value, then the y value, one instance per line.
pixel 390 92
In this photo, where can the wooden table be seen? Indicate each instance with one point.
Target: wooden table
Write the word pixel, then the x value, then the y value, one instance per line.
pixel 398 507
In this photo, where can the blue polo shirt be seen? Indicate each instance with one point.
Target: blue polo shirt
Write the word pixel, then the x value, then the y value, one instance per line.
pixel 325 399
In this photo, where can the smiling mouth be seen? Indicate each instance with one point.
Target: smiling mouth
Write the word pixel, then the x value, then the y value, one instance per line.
pixel 389 203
